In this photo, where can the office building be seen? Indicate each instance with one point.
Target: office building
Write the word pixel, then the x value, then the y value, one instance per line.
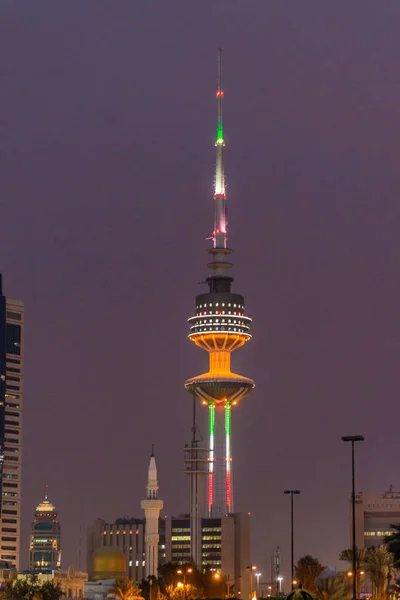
pixel 375 515
pixel 127 534
pixel 45 542
pixel 224 542
pixel 11 393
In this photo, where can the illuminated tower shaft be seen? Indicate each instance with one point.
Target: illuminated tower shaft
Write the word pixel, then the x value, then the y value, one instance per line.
pixel 219 326
pixel 220 497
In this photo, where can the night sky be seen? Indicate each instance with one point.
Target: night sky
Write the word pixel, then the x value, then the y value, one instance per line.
pixel 107 124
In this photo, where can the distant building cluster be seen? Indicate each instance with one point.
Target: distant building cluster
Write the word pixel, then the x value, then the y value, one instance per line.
pixel 225 542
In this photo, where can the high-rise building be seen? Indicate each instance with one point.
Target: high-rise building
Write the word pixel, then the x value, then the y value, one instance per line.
pixel 45 542
pixel 11 391
pixel 152 506
pixel 375 516
pixel 219 327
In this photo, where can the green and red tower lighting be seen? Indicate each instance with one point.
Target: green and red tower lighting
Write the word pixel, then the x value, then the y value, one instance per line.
pixel 219 327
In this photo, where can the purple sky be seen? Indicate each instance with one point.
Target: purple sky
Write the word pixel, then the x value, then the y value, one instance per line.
pixel 107 113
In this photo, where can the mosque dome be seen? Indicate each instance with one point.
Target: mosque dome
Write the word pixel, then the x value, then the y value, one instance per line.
pixel 108 562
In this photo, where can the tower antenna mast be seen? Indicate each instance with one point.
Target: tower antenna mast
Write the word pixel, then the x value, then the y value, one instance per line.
pixel 220 220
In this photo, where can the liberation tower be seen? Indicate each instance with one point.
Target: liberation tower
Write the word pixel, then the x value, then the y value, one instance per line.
pixel 219 326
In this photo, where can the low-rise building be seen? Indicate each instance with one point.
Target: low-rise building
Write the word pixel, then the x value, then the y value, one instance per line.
pixel 71 581
pixel 375 515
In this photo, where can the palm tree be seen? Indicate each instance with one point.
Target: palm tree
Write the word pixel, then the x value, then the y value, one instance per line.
pixel 331 588
pixel 51 591
pixel 125 589
pixel 379 565
pixel 307 571
pixel 393 543
pixel 347 556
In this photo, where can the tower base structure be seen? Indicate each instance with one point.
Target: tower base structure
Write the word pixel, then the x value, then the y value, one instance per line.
pixel 225 547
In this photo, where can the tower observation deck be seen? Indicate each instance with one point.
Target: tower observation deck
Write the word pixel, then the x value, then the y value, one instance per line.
pixel 219 327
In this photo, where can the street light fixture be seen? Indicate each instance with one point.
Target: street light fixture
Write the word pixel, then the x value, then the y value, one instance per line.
pixel 280 578
pixel 188 571
pixel 353 439
pixel 251 568
pixel 258 575
pixel 292 493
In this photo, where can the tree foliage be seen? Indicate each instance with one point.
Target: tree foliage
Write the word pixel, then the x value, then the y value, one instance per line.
pixel 176 585
pixel 29 588
pixel 393 543
pixel 331 588
pixel 347 556
pixel 307 571
pixel 379 565
pixel 125 589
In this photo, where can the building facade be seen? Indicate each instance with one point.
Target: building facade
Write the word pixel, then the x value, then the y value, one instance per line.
pixel 375 515
pixel 45 542
pixel 11 393
pixel 127 534
pixel 225 546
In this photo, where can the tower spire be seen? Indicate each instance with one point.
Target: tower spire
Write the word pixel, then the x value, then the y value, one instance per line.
pixel 220 220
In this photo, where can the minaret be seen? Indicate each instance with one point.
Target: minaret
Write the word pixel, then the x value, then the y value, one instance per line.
pixel 152 507
pixel 219 326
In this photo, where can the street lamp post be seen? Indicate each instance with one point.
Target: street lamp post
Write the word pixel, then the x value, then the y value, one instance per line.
pixel 251 569
pixel 180 572
pixel 279 583
pixel 258 575
pixel 353 439
pixel 292 493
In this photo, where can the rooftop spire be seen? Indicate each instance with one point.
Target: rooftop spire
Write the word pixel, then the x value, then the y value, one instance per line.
pixel 152 483
pixel 220 221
